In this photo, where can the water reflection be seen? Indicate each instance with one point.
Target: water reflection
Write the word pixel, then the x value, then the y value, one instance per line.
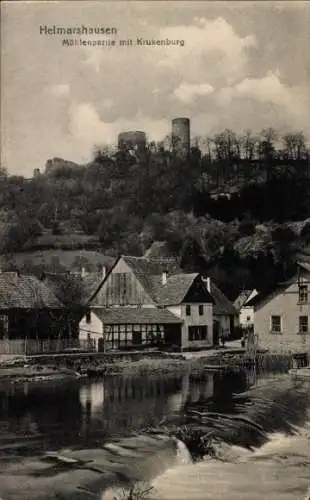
pixel 81 414
pixel 118 406
pixel 78 414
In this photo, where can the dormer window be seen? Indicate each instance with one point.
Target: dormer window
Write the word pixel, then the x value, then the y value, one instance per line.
pixel 303 294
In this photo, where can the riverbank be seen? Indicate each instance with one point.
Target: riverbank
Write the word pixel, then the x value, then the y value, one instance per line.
pixel 150 364
pixel 60 367
pixel 149 367
pixel 140 363
pixel 36 373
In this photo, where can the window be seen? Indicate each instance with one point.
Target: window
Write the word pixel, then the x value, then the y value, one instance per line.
pixel 303 324
pixel 275 324
pixel 200 309
pixel 4 326
pixel 248 318
pixel 197 332
pixel 303 294
pixel 188 310
pixel 88 317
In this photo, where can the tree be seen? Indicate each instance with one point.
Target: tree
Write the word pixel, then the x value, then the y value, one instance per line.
pixel 248 145
pixel 267 150
pixel 3 172
pixel 294 146
pixel 192 259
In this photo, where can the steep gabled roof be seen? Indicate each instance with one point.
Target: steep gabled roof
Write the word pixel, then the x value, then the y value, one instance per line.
pixel 304 266
pixel 269 293
pixel 144 266
pixel 222 305
pixel 91 283
pixel 243 298
pixel 26 292
pixel 149 272
pixel 175 290
pixel 136 315
pixel 71 289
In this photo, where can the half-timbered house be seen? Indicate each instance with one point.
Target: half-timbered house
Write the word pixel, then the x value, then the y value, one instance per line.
pixel 146 301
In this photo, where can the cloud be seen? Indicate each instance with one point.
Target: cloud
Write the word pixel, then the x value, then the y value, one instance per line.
pixel 271 101
pixel 268 89
pixel 61 90
pixel 77 97
pixel 94 58
pixel 89 129
pixel 108 103
pixel 187 92
pixel 211 46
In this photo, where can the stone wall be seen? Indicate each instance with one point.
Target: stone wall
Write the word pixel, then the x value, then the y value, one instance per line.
pixel 75 361
pixel 281 344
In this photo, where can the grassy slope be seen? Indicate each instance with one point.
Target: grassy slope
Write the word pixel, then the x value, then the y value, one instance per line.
pixel 69 259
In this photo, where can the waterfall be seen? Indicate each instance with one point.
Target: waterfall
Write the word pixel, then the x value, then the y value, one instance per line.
pixel 183 455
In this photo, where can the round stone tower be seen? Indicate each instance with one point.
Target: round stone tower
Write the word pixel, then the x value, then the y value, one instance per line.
pixel 181 135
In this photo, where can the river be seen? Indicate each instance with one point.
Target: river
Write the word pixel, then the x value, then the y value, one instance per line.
pixel 82 416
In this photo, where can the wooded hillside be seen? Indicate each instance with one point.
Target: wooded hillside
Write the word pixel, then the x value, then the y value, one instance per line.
pixel 237 207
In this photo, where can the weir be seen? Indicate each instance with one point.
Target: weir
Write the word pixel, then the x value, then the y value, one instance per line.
pixel 222 446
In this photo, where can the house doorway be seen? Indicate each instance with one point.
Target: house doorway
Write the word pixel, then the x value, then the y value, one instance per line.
pixel 137 337
pixel 216 332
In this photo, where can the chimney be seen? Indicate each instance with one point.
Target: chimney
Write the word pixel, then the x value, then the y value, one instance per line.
pixel 164 277
pixel 104 271
pixel 83 272
pixel 208 281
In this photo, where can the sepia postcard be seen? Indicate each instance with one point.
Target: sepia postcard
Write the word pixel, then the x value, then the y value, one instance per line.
pixel 155 250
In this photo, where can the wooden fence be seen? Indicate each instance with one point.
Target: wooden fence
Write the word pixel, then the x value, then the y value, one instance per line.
pixel 48 346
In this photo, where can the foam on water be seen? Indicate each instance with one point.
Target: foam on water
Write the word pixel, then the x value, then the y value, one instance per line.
pixel 260 453
pixel 279 470
pixel 183 456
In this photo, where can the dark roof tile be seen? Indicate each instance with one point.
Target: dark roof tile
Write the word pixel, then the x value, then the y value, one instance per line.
pixel 149 272
pixel 175 290
pixel 26 292
pixel 222 305
pixel 267 294
pixel 241 299
pixel 136 315
pixel 71 289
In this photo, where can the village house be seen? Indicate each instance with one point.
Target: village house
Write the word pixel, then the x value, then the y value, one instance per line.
pixel 74 290
pixel 149 301
pixel 225 316
pixel 281 315
pixel 246 312
pixel 29 310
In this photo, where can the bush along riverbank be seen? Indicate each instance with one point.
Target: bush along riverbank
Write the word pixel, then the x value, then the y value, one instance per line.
pixel 59 367
pixel 35 373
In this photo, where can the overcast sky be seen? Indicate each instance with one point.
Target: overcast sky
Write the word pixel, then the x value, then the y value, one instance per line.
pixel 244 65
